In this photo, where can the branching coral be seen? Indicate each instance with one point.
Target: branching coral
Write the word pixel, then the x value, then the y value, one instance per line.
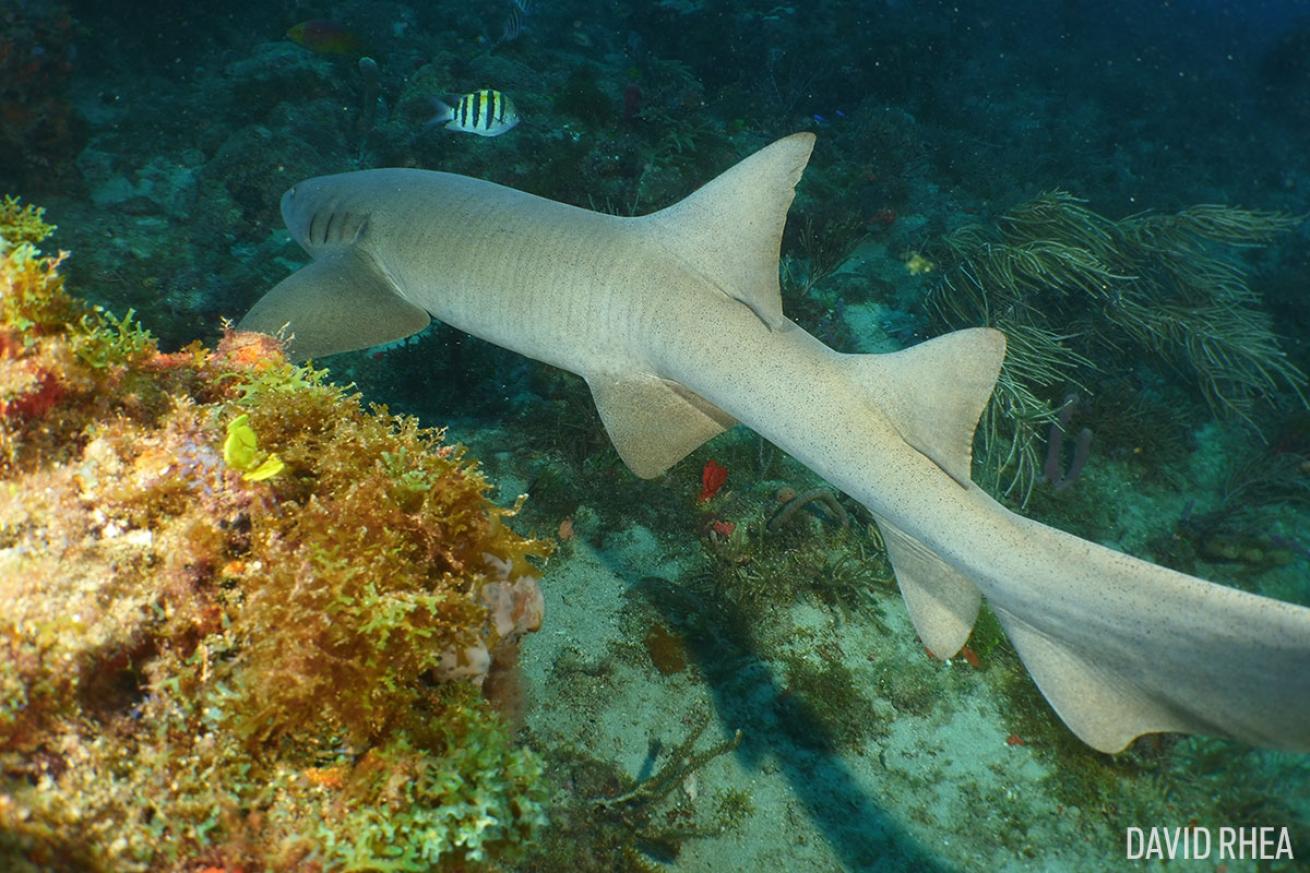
pixel 821 496
pixel 684 761
pixel 1069 287
pixel 199 666
pixel 622 822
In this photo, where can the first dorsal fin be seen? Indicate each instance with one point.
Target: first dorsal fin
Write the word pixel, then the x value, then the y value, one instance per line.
pixel 935 392
pixel 730 230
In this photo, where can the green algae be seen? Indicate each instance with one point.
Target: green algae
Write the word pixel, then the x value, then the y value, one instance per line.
pixel 205 668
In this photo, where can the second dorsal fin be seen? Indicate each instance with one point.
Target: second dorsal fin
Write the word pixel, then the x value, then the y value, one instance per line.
pixel 935 392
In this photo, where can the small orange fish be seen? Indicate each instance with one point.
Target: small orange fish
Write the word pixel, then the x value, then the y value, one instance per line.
pixel 324 37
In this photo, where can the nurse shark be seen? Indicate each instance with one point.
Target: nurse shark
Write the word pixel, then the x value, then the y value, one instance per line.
pixel 675 321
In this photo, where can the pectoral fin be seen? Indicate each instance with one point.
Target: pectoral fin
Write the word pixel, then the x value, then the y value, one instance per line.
pixel 338 302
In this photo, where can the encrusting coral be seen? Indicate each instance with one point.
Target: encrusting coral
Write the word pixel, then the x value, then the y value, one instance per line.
pixel 270 661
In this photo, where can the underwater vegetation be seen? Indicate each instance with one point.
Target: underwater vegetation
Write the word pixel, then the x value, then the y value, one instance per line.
pixel 21 223
pixel 1070 288
pixel 247 620
pixel 614 821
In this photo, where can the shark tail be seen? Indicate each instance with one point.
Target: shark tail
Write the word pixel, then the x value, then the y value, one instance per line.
pixel 1118 646
pixel 1121 647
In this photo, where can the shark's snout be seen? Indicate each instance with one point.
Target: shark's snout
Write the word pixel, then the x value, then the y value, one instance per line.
pixel 291 200
pixel 287 205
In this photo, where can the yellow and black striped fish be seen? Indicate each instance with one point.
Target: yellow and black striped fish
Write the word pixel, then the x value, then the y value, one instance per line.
pixel 486 112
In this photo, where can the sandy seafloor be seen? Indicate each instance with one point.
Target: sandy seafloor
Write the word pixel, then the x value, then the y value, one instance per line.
pixel 947 781
pixel 947 789
pixel 943 783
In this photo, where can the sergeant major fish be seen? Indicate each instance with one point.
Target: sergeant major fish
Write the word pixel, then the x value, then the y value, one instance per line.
pixel 486 112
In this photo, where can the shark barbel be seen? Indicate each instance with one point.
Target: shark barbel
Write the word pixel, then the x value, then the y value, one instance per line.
pixel 675 321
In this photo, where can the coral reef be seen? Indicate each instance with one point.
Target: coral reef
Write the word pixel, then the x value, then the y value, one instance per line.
pixel 246 619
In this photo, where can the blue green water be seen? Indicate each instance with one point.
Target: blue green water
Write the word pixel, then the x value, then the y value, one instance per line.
pixel 160 137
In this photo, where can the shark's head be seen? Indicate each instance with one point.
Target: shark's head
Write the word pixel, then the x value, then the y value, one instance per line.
pixel 343 299
pixel 326 211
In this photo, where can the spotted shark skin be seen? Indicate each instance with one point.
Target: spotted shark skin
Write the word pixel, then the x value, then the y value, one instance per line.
pixel 675 321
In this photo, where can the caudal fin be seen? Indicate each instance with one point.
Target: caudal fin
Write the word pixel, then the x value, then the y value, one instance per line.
pixel 1122 647
pixel 1118 646
pixel 442 113
pixel 1129 648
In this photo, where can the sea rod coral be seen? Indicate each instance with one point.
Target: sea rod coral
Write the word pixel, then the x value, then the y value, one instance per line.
pixel 202 667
